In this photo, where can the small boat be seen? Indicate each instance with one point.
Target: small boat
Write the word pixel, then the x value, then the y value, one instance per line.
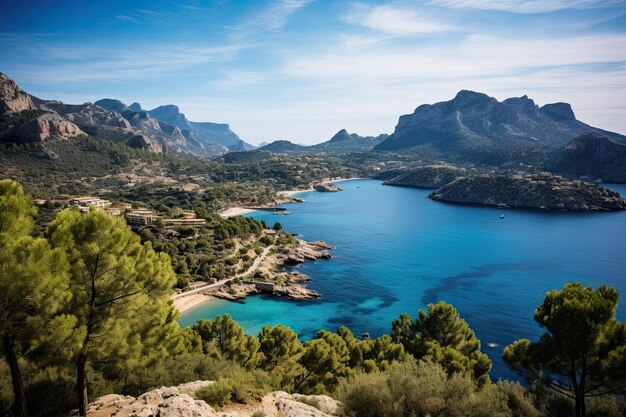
pixel 502 216
pixel 285 212
pixel 492 345
pixel 365 336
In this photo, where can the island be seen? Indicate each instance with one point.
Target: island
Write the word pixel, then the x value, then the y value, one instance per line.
pixel 537 190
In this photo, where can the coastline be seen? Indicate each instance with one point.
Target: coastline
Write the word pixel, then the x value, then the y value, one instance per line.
pixel 238 211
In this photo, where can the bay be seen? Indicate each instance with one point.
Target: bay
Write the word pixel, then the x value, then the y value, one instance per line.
pixel 397 251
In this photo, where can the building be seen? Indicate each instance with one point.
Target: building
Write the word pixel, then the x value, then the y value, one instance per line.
pixel 169 223
pixel 141 217
pixel 89 201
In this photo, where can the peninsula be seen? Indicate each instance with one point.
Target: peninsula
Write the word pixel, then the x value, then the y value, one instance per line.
pixel 542 191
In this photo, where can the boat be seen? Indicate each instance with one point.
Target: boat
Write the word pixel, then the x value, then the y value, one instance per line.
pixel 502 216
pixel 365 336
pixel 492 345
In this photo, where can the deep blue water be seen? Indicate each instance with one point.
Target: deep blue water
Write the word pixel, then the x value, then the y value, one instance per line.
pixel 396 251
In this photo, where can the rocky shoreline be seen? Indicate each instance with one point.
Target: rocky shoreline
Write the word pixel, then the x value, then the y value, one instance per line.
pixel 271 278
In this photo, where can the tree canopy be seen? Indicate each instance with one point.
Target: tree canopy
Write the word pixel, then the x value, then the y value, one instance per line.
pixel 583 352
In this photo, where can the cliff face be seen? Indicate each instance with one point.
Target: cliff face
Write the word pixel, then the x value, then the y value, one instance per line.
pixel 592 156
pixel 543 190
pixel 21 121
pixel 475 121
pixel 13 98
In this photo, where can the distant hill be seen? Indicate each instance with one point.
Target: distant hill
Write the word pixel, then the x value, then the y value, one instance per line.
pixel 344 142
pixel 474 124
pixel 284 146
pixel 592 156
pixel 341 143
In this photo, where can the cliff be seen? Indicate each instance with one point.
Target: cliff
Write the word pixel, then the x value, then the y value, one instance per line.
pixel 21 121
pixel 591 156
pixel 544 190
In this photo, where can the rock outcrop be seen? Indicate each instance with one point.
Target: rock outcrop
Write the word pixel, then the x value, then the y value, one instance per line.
pixel 42 127
pixel 474 124
pixel 591 156
pixel 144 142
pixel 543 190
pixel 13 98
pixel 180 402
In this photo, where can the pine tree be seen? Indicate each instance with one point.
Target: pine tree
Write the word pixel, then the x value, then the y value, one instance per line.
pixel 583 352
pixel 33 281
pixel 120 292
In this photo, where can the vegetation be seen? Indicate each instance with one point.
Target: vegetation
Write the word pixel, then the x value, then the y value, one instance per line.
pixel 85 310
pixel 583 354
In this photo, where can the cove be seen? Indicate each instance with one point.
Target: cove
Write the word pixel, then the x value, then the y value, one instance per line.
pixel 397 251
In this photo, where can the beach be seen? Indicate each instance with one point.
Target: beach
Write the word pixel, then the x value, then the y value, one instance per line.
pixel 186 302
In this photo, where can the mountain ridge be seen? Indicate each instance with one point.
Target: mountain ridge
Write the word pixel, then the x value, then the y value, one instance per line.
pixel 474 121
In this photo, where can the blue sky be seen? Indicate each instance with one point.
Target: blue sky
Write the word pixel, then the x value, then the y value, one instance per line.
pixel 303 69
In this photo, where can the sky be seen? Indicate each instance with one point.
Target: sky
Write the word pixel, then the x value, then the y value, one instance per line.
pixel 301 70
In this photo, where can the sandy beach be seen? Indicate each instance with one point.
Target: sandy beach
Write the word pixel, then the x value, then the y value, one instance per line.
pixel 235 211
pixel 191 300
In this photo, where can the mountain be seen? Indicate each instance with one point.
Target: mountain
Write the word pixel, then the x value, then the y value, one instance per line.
pixel 221 133
pixel 22 121
pixel 284 146
pixel 205 131
pixel 169 136
pixel 591 156
pixel 473 123
pixel 344 142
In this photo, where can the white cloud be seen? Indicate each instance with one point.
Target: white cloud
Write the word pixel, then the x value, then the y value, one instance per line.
pixel 396 21
pixel 527 6
pixel 272 18
pixel 72 63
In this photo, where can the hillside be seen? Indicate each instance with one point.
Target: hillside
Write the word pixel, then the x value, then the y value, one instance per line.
pixel 545 191
pixel 473 125
pixel 344 142
pixel 284 146
pixel 429 177
pixel 591 156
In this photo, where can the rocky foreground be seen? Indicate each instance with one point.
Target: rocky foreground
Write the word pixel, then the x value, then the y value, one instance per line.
pixel 180 401
pixel 271 278
pixel 542 191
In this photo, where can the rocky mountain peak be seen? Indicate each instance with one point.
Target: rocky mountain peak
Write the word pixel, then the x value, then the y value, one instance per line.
pixel 13 98
pixel 341 135
pixel 112 104
pixel 135 107
pixel 559 111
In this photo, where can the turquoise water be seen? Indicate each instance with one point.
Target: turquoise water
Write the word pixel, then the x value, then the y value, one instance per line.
pixel 396 251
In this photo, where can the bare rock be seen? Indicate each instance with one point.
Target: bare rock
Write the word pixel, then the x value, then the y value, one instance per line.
pixel 280 402
pixel 42 127
pixel 144 142
pixel 161 402
pixel 13 98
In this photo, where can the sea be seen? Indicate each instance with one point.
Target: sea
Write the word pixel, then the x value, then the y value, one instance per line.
pixel 396 251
